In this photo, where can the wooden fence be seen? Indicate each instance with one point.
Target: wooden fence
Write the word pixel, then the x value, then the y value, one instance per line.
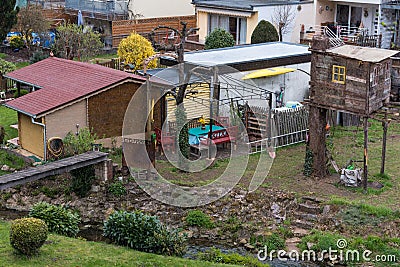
pixel 289 126
pixel 114 63
pixel 123 28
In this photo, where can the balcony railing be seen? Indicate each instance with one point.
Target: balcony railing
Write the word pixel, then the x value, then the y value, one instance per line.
pixel 339 34
pixel 98 6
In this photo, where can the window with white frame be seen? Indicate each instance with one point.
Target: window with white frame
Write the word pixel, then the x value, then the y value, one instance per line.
pixel 237 26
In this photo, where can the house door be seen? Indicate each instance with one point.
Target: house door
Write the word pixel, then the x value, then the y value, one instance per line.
pixel 342 15
pixel 348 17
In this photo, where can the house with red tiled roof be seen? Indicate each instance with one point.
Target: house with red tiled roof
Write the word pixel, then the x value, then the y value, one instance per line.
pixel 68 95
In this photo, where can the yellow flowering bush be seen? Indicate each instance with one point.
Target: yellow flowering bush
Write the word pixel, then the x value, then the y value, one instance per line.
pixel 134 49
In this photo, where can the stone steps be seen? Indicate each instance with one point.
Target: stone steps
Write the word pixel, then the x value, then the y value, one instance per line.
pixel 303 224
pixel 310 209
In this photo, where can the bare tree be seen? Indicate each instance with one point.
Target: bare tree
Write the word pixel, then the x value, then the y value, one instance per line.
pixel 31 20
pixel 131 13
pixel 283 16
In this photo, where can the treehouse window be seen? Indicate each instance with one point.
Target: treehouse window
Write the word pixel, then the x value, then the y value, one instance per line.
pixel 375 76
pixel 338 74
pixel 387 71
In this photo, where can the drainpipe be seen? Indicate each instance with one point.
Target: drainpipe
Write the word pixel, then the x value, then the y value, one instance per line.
pixel 44 137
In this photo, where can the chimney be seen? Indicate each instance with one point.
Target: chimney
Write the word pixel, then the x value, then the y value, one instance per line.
pixel 320 43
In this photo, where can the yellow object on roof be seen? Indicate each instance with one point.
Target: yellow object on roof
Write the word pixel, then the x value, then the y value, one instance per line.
pixel 267 73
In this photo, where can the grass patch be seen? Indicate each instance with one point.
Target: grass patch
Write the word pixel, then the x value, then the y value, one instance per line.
pixel 10 160
pixel 21 64
pixel 7 118
pixel 102 58
pixel 367 209
pixel 320 241
pixel 65 251
pixel 216 256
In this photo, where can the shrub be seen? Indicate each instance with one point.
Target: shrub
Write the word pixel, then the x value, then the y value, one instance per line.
pixel 48 191
pixel 216 256
pixel 6 67
pixel 143 232
pixel 79 143
pixel 272 242
pixel 219 38
pixel 22 92
pixel 199 218
pixel 264 32
pixel 58 219
pixel 135 49
pixel 37 56
pixel 16 42
pixel 27 235
pixel 117 189
pixel 82 180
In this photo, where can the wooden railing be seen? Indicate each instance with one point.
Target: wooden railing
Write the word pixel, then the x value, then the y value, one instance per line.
pixel 114 63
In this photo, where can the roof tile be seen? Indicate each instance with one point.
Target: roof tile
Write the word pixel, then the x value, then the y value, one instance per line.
pixel 62 81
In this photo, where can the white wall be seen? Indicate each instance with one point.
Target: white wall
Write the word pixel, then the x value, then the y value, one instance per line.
pixel 306 16
pixel 296 85
pixel 162 8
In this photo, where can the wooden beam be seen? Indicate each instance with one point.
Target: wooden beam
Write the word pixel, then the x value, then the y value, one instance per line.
pixel 365 179
pixel 50 169
pixel 385 124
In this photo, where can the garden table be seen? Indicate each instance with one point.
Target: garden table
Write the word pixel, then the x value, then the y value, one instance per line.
pixel 195 134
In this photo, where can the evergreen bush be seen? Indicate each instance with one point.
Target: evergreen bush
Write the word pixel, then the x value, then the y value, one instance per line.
pixel 199 218
pixel 264 32
pixel 27 235
pixel 219 38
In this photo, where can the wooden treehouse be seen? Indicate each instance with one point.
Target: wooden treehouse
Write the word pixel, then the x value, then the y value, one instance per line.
pixel 350 78
pixel 346 78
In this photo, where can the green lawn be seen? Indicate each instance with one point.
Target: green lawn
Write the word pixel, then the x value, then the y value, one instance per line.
pixel 10 160
pixel 8 117
pixel 64 251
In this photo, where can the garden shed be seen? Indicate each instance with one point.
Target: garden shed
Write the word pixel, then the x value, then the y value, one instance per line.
pixel 69 95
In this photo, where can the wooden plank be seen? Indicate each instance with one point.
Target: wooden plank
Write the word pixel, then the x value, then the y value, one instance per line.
pixel 54 168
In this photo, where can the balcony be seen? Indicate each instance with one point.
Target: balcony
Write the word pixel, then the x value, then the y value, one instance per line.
pixel 102 9
pixel 339 34
pixel 391 4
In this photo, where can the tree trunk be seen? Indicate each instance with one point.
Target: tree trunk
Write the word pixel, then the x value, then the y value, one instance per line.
pixel 317 124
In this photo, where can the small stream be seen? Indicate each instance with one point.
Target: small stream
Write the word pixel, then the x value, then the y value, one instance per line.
pixel 93 232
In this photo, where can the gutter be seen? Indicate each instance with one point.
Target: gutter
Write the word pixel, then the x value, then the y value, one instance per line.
pixel 21 81
pixel 44 136
pixel 19 110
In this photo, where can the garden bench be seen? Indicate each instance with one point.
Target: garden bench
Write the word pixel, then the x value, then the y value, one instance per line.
pixel 223 136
